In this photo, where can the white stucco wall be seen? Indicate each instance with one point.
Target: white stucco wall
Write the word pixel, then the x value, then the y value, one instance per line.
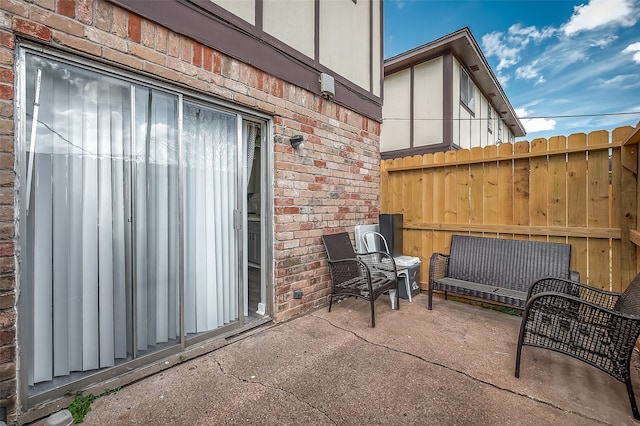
pixel 291 21
pixel 427 103
pixel 396 111
pixel 376 49
pixel 245 9
pixel 344 39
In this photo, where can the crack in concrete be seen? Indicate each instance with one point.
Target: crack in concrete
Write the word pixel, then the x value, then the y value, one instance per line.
pixel 479 380
pixel 270 386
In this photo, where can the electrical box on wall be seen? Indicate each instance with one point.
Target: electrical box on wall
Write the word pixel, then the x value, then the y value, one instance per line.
pixel 327 86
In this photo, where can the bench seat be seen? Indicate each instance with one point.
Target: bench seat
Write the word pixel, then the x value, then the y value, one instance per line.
pixel 498 270
pixel 484 291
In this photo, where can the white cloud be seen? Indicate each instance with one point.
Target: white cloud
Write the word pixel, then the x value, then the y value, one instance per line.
pixel 493 44
pixel 533 125
pixel 619 79
pixel 600 14
pixel 603 42
pixel 527 72
pixel 530 72
pixel 503 79
pixel 507 47
pixel 634 49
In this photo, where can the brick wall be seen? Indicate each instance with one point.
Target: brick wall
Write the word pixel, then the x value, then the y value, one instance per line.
pixel 331 184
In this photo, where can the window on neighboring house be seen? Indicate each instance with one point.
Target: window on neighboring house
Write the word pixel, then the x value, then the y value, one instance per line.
pixel 490 119
pixel 467 90
pixel 500 132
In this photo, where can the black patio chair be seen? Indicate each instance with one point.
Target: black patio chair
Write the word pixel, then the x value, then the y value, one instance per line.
pixel 597 327
pixel 364 275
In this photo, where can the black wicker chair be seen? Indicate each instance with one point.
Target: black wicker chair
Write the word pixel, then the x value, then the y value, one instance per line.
pixel 366 275
pixel 597 327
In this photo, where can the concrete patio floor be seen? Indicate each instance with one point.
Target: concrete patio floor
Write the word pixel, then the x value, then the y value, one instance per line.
pixel 451 365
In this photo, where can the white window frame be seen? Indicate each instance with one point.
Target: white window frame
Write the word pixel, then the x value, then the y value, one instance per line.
pixel 467 90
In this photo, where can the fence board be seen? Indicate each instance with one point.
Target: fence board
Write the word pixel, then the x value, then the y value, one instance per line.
pixel 410 203
pixel 490 189
pixel 598 210
pixel 625 208
pixel 462 187
pixel 577 202
pixel 521 188
pixel 439 241
pixel 475 188
pixel 385 196
pixel 505 188
pixel 427 216
pixel 538 188
pixel 557 190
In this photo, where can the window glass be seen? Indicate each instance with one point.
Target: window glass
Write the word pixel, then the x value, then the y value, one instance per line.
pixel 467 90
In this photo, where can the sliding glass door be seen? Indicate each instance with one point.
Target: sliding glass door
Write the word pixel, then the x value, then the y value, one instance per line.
pixel 129 198
pixel 210 198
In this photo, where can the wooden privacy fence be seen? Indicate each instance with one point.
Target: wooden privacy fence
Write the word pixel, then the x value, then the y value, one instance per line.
pixel 582 190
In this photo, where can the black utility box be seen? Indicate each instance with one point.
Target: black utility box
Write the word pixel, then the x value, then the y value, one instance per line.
pixel 391 229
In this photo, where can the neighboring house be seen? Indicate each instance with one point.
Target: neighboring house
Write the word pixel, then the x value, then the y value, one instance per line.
pixel 442 96
pixel 152 203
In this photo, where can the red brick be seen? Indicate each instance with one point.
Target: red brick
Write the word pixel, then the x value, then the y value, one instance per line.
pixel 7 40
pixel 7 354
pixel 29 28
pixel 217 62
pixel 85 11
pixel 67 8
pixel 197 54
pixel 186 50
pixel 6 92
pixel 104 16
pixel 161 39
pixel 208 59
pixel 6 75
pixel 135 28
pixel 7 248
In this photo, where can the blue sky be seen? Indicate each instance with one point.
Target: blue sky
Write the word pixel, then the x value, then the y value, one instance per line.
pixel 553 58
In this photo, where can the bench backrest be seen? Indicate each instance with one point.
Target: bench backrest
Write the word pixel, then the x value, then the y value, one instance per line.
pixel 512 264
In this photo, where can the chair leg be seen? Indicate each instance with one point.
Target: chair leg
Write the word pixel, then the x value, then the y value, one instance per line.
pixel 330 301
pixel 373 314
pixel 632 399
pixel 518 353
pixel 429 298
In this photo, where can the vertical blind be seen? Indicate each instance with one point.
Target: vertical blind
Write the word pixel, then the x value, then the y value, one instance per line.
pixel 99 254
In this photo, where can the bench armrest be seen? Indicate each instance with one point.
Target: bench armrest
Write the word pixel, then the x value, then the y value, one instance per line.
pixel 438 267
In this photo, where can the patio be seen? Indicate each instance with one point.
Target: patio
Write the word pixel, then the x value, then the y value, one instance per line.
pixel 452 365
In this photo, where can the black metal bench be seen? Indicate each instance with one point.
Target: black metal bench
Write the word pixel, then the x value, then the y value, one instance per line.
pixel 495 269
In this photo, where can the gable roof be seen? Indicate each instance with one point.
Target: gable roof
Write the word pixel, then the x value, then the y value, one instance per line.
pixel 462 44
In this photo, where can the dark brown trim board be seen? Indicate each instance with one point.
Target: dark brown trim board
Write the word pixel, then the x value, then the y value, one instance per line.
pixel 447 98
pixel 215 27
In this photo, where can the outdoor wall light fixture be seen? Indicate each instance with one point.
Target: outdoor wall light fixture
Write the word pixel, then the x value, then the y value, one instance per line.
pixel 296 141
